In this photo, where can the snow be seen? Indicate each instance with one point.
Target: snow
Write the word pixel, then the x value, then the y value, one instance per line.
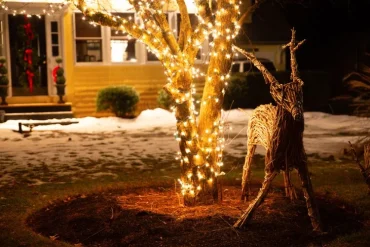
pixel 103 146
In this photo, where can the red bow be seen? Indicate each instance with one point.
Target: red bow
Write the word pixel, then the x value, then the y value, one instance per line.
pixel 28 56
pixel 29 33
pixel 55 70
pixel 30 76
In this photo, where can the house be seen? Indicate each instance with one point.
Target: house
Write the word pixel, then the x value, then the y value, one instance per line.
pixel 94 57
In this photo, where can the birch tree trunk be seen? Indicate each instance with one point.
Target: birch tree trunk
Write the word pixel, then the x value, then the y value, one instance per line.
pixel 201 140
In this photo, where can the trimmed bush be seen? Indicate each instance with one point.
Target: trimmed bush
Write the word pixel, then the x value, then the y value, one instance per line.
pixel 249 90
pixel 164 100
pixel 121 100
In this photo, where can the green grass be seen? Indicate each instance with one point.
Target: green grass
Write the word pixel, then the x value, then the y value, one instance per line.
pixel 335 180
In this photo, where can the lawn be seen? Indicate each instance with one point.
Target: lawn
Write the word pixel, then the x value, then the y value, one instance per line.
pixel 113 182
pixel 337 182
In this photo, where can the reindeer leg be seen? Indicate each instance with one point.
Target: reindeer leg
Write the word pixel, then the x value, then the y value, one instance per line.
pixel 289 188
pixel 247 215
pixel 247 172
pixel 313 211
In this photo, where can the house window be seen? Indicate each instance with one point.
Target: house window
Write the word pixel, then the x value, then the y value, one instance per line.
pixel 122 46
pixel 107 45
pixel 88 41
pixel 54 38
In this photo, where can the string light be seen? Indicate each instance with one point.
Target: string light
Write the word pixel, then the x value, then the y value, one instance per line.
pixel 201 148
pixel 50 10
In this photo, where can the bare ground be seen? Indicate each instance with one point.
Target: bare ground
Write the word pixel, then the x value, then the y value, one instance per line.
pixel 155 217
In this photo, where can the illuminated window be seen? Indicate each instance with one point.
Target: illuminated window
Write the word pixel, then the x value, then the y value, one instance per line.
pixel 122 46
pixel 88 41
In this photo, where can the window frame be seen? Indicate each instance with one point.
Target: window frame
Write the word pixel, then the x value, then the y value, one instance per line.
pixel 75 38
pixel 125 37
pixel 141 51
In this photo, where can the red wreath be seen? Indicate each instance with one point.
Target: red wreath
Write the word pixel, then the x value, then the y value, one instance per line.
pixel 55 70
pixel 28 30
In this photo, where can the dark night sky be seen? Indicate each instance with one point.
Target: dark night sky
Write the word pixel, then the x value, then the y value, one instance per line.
pixel 337 32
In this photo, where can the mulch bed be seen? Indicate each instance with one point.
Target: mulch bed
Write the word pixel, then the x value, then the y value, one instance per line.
pixel 148 217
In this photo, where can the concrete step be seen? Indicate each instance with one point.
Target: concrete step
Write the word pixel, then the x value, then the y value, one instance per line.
pixel 38 115
pixel 45 107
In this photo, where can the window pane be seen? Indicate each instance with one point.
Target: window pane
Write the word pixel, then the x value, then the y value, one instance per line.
pixel 247 67
pixel 89 50
pixel 54 39
pixel 54 26
pixel 235 68
pixel 84 29
pixel 128 16
pixel 151 56
pixel 55 51
pixel 123 50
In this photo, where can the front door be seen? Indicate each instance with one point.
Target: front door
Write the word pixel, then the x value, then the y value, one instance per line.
pixel 28 60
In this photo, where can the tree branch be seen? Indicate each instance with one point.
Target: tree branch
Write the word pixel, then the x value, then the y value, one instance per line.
pixel 155 21
pixel 185 26
pixel 206 21
pixel 250 11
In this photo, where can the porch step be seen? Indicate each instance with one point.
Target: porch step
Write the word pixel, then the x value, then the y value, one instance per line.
pixel 43 107
pixel 37 111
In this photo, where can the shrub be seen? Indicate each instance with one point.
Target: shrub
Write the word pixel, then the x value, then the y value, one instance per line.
pixel 164 100
pixel 249 90
pixel 246 91
pixel 121 100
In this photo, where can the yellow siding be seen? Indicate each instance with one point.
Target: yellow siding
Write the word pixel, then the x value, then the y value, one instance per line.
pixel 146 79
pixel 84 81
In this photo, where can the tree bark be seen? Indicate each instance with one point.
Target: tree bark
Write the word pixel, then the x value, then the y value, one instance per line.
pixel 201 145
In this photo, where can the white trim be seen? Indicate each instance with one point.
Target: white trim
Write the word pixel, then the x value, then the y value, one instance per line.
pixel 141 51
pixel 8 58
pixel 51 63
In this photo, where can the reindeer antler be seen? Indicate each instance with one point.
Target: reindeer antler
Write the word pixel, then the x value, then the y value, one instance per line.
pixel 293 46
pixel 269 78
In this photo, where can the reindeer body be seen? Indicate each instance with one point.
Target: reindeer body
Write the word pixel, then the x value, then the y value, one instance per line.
pixel 279 129
pixel 263 118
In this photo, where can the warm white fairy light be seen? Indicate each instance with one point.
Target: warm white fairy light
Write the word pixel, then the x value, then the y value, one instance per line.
pixel 25 10
pixel 203 153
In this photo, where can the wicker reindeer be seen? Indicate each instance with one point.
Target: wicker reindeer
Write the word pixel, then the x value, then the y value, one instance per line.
pixel 279 129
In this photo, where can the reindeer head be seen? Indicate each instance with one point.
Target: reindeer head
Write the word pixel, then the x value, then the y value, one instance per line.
pixel 290 97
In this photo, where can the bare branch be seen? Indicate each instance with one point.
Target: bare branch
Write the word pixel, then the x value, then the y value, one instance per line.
pixel 354 154
pixel 107 20
pixel 250 11
pixel 269 78
pixel 202 29
pixel 365 171
pixel 157 21
pixel 185 26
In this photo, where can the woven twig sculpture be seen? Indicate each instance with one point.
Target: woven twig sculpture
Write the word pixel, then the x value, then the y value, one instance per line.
pixel 279 129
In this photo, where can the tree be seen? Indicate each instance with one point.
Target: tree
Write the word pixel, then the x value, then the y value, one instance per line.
pixel 200 139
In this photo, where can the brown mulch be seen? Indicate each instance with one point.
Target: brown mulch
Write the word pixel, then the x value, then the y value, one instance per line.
pixel 147 217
